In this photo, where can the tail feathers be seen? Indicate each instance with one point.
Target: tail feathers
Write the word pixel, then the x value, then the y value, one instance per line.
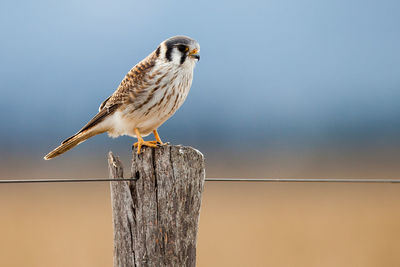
pixel 72 142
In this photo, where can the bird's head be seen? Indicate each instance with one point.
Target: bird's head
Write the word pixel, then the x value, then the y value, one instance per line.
pixel 180 50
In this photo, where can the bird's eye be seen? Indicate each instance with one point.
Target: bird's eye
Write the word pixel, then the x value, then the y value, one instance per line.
pixel 183 48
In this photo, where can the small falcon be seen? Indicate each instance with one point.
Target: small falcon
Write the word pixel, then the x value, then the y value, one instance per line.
pixel 149 94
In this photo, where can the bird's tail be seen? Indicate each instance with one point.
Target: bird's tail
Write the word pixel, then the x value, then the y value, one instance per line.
pixel 72 142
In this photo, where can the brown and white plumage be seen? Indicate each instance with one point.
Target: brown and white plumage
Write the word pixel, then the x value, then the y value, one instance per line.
pixel 149 94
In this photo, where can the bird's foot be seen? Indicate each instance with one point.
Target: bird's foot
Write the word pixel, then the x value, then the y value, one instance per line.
pixel 141 143
pixel 156 143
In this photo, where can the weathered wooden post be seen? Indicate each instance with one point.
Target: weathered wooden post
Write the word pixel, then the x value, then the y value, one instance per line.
pixel 156 217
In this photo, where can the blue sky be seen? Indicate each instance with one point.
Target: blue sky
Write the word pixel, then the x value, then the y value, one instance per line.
pixel 269 70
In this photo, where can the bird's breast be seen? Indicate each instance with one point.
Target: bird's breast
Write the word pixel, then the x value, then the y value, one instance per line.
pixel 160 100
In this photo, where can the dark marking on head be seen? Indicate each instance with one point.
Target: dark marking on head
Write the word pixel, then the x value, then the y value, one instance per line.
pixel 158 51
pixel 183 58
pixel 182 48
pixel 168 53
pixel 180 42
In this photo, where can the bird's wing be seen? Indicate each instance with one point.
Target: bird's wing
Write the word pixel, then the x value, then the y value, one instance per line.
pixel 104 103
pixel 131 90
pixel 100 116
pixel 96 119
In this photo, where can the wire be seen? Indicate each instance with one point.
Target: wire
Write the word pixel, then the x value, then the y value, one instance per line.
pixel 27 181
pixel 257 180
pixel 303 180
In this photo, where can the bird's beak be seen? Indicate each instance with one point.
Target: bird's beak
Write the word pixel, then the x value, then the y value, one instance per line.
pixel 194 54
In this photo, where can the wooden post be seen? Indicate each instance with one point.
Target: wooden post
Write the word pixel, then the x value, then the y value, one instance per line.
pixel 156 217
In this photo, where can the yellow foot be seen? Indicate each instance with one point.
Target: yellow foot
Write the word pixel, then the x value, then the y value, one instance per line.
pixel 158 139
pixel 141 143
pixel 149 142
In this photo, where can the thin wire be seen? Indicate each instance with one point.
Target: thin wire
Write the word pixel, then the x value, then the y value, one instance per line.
pixel 28 181
pixel 257 180
pixel 303 180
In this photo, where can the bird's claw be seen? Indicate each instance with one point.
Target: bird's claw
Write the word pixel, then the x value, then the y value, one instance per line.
pixel 139 144
pixel 145 143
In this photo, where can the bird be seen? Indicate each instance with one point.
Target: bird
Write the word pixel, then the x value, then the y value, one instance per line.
pixel 151 92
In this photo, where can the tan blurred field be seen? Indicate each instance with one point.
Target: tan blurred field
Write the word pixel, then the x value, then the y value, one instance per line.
pixel 241 224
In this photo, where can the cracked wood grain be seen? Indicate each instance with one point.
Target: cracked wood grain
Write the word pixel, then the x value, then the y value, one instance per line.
pixel 156 217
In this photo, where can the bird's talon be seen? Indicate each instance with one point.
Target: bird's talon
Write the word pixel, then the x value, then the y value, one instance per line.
pixel 144 143
pixel 141 142
pixel 163 144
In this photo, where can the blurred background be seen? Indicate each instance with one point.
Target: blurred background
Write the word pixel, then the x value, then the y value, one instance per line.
pixel 295 89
